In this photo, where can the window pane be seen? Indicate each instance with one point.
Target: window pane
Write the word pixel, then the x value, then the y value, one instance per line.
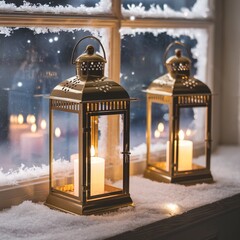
pixel 87 7
pixel 166 9
pixel 142 62
pixel 32 63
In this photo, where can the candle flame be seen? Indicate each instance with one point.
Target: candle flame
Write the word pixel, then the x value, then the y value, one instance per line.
pixel 181 135
pixel 43 124
pixel 34 128
pixel 20 119
pixel 160 127
pixel 92 151
pixel 57 132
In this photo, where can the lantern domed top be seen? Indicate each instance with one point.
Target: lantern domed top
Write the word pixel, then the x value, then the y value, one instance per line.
pixel 178 65
pixel 89 84
pixel 178 80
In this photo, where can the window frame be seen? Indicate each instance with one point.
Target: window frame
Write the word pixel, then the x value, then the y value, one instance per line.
pixel 37 189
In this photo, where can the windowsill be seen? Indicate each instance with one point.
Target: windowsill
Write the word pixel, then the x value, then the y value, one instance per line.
pixel 218 220
pixel 201 209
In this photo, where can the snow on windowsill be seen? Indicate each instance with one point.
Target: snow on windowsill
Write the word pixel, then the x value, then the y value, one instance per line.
pixel 153 201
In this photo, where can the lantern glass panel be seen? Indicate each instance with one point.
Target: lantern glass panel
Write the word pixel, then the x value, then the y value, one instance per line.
pixel 159 135
pixel 65 175
pixel 192 135
pixel 105 152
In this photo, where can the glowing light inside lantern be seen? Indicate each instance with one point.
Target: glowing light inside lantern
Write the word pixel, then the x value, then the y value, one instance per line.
pixel 97 173
pixel 92 151
pixel 181 135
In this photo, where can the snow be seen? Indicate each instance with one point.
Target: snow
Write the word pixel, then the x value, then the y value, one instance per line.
pixel 103 7
pixel 200 9
pixel 153 201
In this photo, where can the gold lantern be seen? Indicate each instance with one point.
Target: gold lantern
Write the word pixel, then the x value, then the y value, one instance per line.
pixel 178 124
pixel 81 108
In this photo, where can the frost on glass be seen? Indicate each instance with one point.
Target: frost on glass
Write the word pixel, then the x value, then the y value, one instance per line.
pixel 167 9
pixel 142 62
pixel 33 62
pixel 87 7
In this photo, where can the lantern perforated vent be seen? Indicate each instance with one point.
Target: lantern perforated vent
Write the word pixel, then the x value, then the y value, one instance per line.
pixel 102 85
pixel 92 68
pixel 189 82
pixel 179 67
pixel 70 85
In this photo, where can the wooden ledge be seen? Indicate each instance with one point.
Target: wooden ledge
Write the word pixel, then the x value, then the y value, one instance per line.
pixel 216 221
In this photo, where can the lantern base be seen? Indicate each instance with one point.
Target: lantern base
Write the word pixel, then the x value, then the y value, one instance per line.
pixel 98 206
pixel 187 178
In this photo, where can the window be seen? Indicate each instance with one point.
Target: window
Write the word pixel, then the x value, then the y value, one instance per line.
pixel 37 39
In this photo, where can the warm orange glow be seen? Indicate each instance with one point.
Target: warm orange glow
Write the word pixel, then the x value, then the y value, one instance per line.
pixel 172 208
pixel 92 151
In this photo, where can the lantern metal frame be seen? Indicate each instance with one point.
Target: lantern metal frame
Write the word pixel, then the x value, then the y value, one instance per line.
pixel 174 91
pixel 90 96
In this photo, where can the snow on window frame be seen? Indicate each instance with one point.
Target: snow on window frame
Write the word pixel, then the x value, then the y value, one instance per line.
pixel 103 7
pixel 201 10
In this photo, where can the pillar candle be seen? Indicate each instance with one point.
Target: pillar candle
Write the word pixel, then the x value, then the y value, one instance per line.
pixel 185 154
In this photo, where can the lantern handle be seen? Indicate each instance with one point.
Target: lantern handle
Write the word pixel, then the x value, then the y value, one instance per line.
pixel 170 45
pixel 74 49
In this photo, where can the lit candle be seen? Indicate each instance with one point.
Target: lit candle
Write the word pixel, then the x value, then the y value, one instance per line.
pixel 97 173
pixel 185 153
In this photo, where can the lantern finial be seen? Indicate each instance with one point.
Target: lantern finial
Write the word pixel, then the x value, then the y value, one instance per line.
pixel 90 50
